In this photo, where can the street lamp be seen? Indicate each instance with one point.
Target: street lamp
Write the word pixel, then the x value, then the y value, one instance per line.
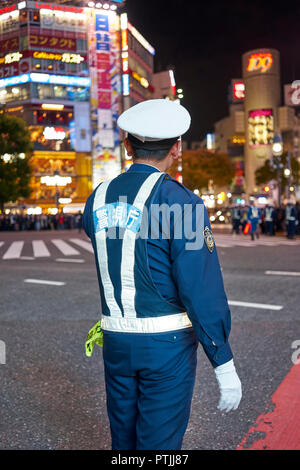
pixel 277 149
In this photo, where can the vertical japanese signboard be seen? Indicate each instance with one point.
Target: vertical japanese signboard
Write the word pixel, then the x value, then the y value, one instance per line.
pixel 105 91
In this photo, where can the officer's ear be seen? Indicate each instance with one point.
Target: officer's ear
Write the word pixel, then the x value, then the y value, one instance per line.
pixel 128 146
pixel 175 150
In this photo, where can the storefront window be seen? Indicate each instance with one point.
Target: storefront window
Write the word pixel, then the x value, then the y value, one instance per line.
pixel 23 42
pixel 43 91
pixel 23 17
pixel 51 138
pixel 81 45
pixel 35 17
pixel 16 93
pixel 52 118
pixel 60 92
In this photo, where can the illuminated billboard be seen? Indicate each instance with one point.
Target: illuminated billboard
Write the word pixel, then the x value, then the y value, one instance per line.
pixel 260 127
pixel 238 91
pixel 45 78
pixel 105 89
pixel 292 94
pixel 261 62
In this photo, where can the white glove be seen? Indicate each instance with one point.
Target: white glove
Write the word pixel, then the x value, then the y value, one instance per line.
pixel 230 386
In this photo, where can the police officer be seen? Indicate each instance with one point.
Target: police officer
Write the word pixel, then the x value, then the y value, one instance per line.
pixel 291 219
pixel 254 217
pixel 270 216
pixel 160 293
pixel 236 219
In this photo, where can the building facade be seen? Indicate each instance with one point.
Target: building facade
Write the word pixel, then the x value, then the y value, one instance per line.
pixel 45 80
pixel 256 113
pixel 69 71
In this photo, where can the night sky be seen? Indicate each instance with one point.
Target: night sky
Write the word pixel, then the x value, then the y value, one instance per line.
pixel 204 41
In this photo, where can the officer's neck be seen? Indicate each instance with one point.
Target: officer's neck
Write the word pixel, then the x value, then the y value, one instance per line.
pixel 162 165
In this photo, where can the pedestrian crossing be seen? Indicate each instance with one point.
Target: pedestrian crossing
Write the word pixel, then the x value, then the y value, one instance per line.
pixel 44 249
pixel 14 251
pixel 231 241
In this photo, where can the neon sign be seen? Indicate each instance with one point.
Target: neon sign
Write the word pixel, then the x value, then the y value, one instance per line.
pixel 261 61
pixel 71 58
pixel 141 39
pixel 173 83
pixel 260 127
pixel 238 90
pixel 56 180
pixel 7 9
pixel 12 57
pixel 17 80
pixel 67 57
pixel 125 80
pixel 60 79
pixel 47 55
pixel 125 63
pixel 54 133
pixel 143 81
pixel 53 107
pixel 50 6
pixel 45 78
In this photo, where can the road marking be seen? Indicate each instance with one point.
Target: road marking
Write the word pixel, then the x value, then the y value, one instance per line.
pixel 278 429
pixel 65 248
pixel 27 257
pixel 41 281
pixel 83 244
pixel 1 243
pixel 282 273
pixel 230 241
pixel 14 251
pixel 39 249
pixel 254 305
pixel 70 260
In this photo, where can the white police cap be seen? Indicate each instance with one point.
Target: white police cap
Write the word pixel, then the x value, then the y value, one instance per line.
pixel 155 120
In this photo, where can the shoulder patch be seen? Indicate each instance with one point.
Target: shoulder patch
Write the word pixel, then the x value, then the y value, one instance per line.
pixel 209 239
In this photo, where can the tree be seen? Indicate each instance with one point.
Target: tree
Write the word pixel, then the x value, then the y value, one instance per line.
pixel 266 173
pixel 200 166
pixel 15 148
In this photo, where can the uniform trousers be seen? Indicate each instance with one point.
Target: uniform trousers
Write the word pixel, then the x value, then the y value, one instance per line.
pixel 149 387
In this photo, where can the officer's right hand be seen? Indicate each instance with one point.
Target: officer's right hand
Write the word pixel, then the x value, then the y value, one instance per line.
pixel 230 386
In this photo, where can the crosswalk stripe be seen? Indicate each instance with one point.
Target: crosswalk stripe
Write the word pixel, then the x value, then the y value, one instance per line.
pixel 65 248
pixel 282 273
pixel 14 251
pixel 39 249
pixel 42 281
pixel 83 244
pixel 1 243
pixel 254 305
pixel 69 260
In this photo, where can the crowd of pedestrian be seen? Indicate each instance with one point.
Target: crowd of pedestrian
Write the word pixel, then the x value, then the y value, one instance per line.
pixel 18 222
pixel 267 220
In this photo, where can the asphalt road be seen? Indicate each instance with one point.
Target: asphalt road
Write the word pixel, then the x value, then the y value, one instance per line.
pixel 53 397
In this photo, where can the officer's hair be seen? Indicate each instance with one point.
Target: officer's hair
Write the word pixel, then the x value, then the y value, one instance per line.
pixel 144 154
pixel 151 150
